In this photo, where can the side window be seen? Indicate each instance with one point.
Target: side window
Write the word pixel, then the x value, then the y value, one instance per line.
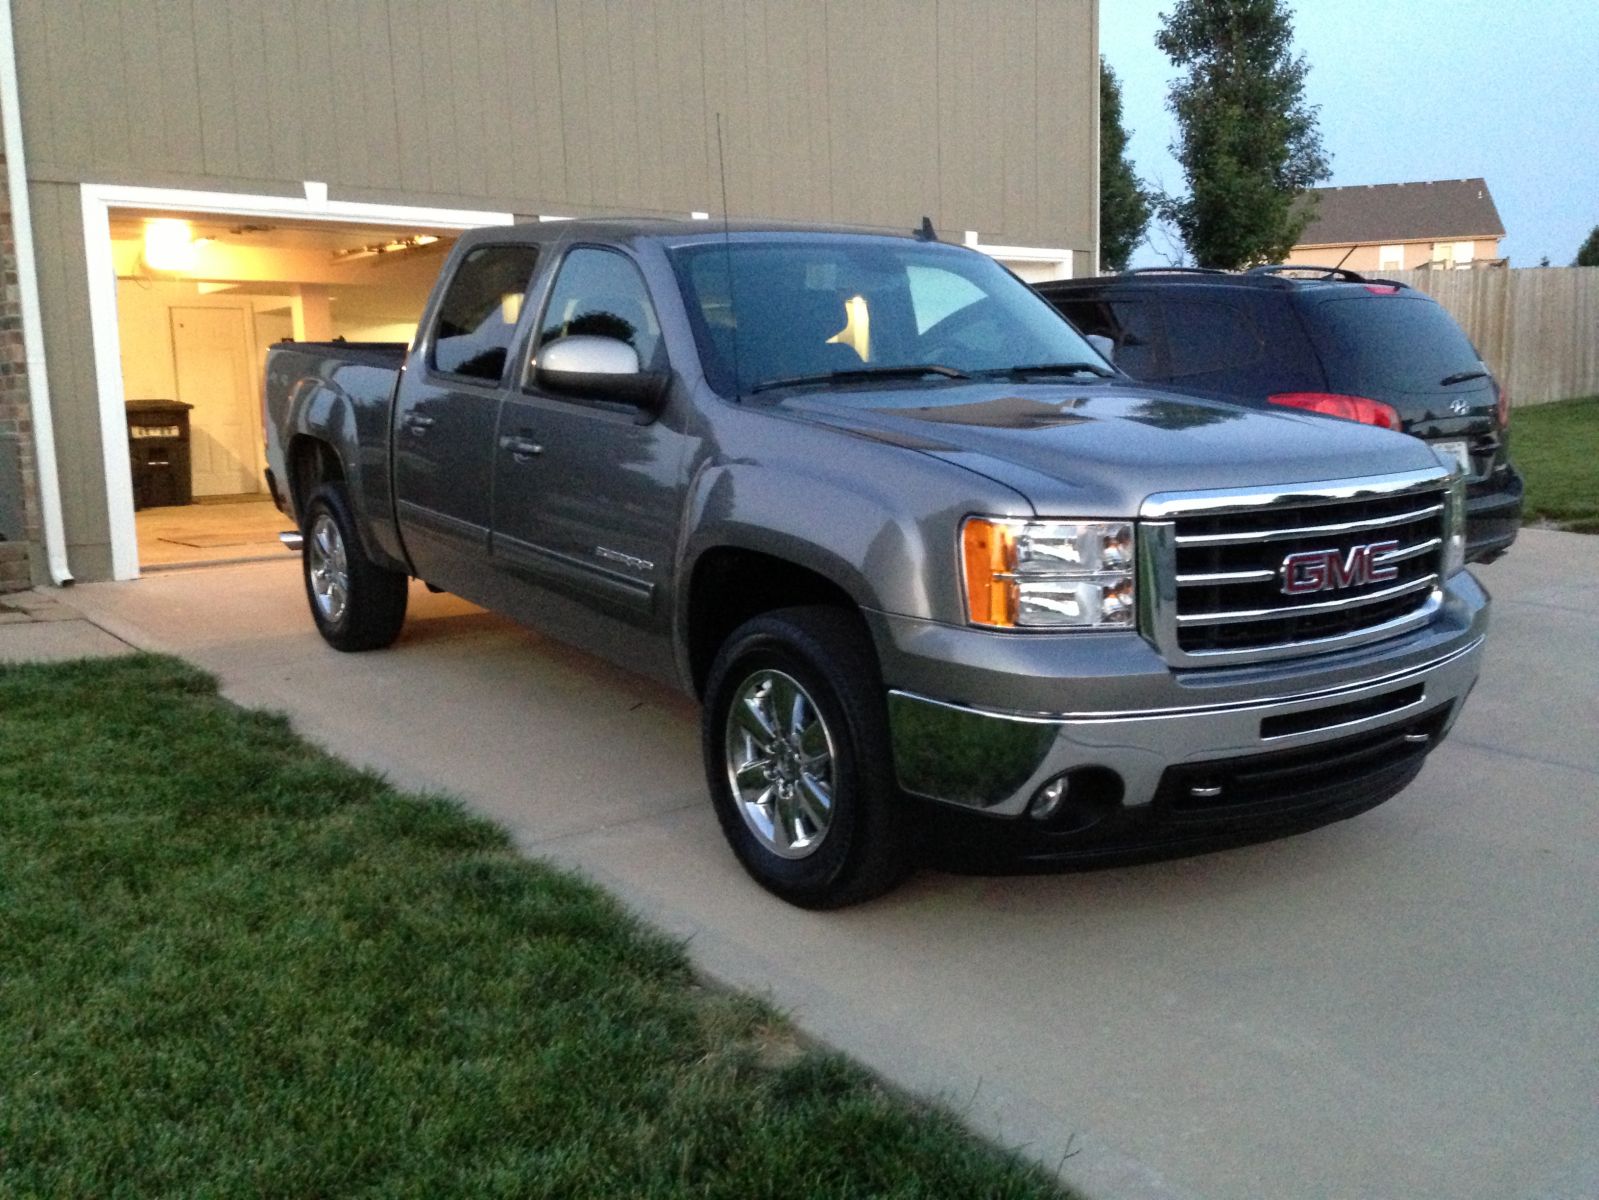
pixel 1206 337
pixel 601 293
pixel 477 318
pixel 1134 326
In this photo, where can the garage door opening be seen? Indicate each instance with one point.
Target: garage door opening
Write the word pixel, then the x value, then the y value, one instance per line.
pixel 200 300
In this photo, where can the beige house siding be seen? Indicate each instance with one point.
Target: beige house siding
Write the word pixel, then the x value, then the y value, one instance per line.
pixel 1367 257
pixel 982 114
pixel 979 113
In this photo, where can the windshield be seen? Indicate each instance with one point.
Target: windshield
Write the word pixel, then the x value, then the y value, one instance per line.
pixel 1372 345
pixel 807 307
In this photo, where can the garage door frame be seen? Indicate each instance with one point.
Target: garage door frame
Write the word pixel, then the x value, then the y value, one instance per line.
pixel 98 200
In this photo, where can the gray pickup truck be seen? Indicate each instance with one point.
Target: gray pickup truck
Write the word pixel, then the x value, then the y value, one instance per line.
pixel 922 555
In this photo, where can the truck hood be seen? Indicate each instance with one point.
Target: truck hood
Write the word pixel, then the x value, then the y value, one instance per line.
pixel 1099 450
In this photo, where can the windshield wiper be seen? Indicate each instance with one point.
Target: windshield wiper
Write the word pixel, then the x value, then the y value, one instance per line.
pixel 863 375
pixel 1065 368
pixel 1461 377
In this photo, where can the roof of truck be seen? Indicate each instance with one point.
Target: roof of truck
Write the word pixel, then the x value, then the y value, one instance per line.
pixel 617 228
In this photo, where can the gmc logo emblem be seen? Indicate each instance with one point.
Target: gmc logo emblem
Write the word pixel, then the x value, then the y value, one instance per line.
pixel 1330 571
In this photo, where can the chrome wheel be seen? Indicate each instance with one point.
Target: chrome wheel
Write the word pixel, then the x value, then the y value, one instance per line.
pixel 779 757
pixel 329 567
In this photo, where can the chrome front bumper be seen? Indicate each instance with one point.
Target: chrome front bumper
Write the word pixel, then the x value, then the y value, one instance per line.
pixel 995 762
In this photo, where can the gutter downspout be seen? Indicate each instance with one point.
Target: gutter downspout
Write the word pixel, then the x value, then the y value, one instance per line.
pixel 44 438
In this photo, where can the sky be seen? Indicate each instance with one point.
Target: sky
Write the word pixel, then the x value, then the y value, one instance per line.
pixel 1412 90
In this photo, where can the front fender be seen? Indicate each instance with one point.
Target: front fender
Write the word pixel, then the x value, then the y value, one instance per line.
pixel 885 529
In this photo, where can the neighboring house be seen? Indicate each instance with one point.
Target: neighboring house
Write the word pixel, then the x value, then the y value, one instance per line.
pixel 187 183
pixel 1447 223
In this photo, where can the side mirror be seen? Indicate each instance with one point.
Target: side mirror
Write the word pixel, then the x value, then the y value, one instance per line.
pixel 599 368
pixel 1106 347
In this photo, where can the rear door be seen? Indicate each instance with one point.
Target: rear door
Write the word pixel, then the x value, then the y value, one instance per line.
pixel 445 413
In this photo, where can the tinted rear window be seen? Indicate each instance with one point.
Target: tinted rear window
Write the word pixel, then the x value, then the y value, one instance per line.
pixel 1375 344
pixel 1207 336
pixel 477 317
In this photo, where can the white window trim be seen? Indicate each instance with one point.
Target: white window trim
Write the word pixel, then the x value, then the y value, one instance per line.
pixel 98 200
pixel 1394 255
pixel 1060 258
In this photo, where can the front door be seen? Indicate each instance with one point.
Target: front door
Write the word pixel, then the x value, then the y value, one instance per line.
pixel 445 415
pixel 211 353
pixel 587 498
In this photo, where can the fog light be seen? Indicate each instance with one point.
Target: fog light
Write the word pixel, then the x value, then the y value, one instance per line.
pixel 1047 800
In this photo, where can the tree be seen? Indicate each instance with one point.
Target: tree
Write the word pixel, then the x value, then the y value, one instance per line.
pixel 1588 254
pixel 1247 141
pixel 1123 202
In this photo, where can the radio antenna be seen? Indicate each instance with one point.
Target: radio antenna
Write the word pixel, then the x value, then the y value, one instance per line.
pixel 727 255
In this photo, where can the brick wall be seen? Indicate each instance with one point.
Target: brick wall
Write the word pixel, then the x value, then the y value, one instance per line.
pixel 16 423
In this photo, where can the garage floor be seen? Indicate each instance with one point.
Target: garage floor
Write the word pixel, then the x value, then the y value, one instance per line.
pixel 1400 1005
pixel 225 529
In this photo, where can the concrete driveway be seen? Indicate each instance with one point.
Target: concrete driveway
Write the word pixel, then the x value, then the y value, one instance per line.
pixel 1404 1005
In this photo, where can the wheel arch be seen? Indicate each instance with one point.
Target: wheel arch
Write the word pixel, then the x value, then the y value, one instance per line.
pixel 731 584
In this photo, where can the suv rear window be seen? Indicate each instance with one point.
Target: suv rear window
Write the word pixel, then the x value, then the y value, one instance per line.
pixel 1373 344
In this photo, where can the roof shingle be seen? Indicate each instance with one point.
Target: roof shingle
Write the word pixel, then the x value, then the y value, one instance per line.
pixel 1399 212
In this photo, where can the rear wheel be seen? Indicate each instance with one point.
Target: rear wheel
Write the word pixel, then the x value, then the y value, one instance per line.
pixel 356 604
pixel 797 758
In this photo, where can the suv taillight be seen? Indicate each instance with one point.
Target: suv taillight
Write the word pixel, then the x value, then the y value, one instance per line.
pixel 1502 409
pixel 1350 408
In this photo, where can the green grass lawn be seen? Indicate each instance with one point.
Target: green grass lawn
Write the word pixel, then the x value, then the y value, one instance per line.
pixel 1557 448
pixel 232 966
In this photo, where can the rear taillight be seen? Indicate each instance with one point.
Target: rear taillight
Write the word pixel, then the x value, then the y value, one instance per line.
pixel 1502 409
pixel 1350 408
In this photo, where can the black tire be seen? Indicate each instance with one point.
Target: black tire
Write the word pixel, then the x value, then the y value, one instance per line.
pixel 373 607
pixel 863 850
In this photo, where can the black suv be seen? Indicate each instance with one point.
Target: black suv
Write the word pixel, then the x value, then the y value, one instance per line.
pixel 1320 339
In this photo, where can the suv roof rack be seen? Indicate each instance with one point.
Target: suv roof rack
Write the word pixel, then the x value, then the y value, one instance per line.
pixel 1325 272
pixel 1174 271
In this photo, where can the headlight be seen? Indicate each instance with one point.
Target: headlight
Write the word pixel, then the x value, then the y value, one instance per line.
pixel 1455 525
pixel 1048 574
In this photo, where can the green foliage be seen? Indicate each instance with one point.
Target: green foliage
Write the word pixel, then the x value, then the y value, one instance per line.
pixel 231 966
pixel 1247 141
pixel 1554 445
pixel 1123 202
pixel 1588 253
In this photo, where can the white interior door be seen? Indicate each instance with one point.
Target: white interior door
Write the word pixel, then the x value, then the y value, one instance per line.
pixel 211 352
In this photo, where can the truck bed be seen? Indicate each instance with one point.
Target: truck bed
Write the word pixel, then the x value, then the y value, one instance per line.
pixel 372 354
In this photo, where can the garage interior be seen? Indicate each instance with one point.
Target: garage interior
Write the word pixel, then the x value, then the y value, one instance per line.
pixel 200 300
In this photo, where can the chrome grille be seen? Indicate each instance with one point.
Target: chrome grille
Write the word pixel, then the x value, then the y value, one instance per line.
pixel 1215 567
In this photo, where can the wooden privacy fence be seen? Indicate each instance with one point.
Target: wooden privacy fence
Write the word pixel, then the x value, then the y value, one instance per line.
pixel 1537 327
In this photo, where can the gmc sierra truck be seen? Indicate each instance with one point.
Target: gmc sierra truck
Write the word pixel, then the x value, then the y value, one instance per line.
pixel 914 545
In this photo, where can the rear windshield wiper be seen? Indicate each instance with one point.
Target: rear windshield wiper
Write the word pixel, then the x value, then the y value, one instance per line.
pixel 1461 377
pixel 863 375
pixel 1065 368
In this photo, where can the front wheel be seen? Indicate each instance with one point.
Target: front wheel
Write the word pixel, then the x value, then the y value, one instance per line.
pixel 356 604
pixel 797 758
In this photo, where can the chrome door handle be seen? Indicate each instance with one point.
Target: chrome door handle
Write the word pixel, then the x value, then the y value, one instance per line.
pixel 417 423
pixel 522 448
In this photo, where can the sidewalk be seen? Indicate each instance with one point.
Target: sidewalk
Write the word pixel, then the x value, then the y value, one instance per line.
pixel 36 627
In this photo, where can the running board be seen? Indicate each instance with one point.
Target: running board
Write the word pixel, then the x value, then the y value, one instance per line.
pixel 292 540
